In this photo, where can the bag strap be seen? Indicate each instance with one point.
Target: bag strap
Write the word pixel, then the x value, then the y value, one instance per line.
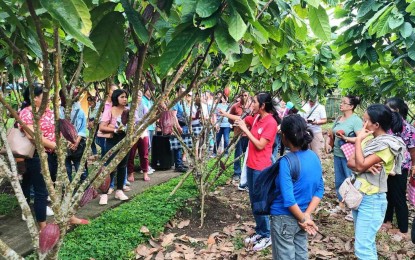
pixel 311 112
pixel 74 118
pixel 294 165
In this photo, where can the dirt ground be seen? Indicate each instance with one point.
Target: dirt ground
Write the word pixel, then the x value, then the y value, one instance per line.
pixel 228 221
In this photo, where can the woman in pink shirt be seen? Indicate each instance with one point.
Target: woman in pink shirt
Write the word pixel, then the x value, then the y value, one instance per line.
pixel 114 121
pixel 261 130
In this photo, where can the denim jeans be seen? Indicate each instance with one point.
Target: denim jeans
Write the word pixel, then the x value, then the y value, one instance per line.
pixel 33 176
pixel 341 172
pixel 223 131
pixel 275 148
pixel 262 221
pixel 101 141
pixel 368 219
pixel 240 148
pixel 122 165
pixel 150 139
pixel 289 241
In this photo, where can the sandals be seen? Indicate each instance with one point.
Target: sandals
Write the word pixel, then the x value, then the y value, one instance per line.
pixel 349 217
pixel 131 177
pixel 146 178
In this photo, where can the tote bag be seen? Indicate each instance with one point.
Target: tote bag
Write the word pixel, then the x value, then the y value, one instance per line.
pixel 20 145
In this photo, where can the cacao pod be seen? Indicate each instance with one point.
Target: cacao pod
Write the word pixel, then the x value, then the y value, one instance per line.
pixel 48 237
pixel 227 91
pixel 105 184
pixel 131 67
pixel 88 196
pixel 67 130
pixel 222 165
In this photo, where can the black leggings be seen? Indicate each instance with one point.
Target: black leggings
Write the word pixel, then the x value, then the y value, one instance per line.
pixel 122 166
pixel 396 197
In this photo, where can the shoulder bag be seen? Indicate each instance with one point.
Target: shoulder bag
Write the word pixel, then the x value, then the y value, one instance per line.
pixel 20 145
pixel 352 197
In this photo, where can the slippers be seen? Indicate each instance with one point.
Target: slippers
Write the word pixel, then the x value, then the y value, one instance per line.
pixel 349 217
pixel 131 177
pixel 146 178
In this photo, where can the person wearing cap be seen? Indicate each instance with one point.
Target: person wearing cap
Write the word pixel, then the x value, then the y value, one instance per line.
pixel 315 115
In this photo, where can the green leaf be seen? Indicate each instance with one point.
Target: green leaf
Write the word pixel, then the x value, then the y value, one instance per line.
pixel 406 30
pixel 411 8
pixel 100 11
pixel 361 49
pixel 265 58
pixel 177 49
pixel 276 85
pixel 243 64
pixel 382 26
pixel 244 8
pixel 209 22
pixel 73 16
pixel 375 17
pixel 411 53
pixel 206 8
pixel 225 42
pixel 236 25
pixel 372 55
pixel 136 21
pixel 314 3
pixel 365 8
pixel 301 12
pixel 12 16
pixel 108 38
pixel 319 23
pixel 395 21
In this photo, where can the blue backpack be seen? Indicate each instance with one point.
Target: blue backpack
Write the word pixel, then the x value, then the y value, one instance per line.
pixel 264 189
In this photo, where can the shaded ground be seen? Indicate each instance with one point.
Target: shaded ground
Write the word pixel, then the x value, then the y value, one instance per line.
pixel 229 220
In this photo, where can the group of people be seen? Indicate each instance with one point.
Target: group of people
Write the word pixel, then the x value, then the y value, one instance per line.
pixel 384 145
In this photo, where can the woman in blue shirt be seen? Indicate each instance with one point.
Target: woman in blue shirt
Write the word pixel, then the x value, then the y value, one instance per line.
pixel 291 210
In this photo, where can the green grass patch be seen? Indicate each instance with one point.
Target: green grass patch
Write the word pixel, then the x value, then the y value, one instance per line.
pixel 8 203
pixel 116 233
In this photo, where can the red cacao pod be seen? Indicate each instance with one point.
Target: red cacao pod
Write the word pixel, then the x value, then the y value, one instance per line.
pixel 48 237
pixel 68 130
pixel 227 91
pixel 88 196
pixel 105 184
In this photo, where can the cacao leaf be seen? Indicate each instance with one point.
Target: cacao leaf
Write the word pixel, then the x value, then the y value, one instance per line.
pixel 136 21
pixel 319 22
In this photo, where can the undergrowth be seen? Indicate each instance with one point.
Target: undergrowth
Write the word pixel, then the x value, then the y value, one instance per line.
pixel 116 233
pixel 8 203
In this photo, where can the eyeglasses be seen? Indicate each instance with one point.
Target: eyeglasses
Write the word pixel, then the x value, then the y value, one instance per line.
pixel 344 103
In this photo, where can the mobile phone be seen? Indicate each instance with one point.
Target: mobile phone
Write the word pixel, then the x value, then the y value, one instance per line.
pixel 310 121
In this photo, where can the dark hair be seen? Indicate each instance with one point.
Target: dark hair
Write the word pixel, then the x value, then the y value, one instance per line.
pixel 115 95
pixel 398 105
pixel 37 91
pixel 148 85
pixel 386 119
pixel 264 98
pixel 295 130
pixel 354 101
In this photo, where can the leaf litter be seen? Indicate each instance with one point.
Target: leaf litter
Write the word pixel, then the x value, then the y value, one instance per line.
pixel 229 220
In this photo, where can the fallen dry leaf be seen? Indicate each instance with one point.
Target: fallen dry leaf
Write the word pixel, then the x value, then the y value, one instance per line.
pixel 183 223
pixel 159 256
pixel 175 255
pixel 168 239
pixel 154 243
pixel 211 240
pixel 145 230
pixel 348 246
pixel 142 250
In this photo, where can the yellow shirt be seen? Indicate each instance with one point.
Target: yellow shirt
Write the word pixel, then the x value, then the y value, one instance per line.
pixel 388 163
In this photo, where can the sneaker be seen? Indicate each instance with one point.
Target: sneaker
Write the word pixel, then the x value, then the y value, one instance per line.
pixel 103 200
pixel 262 243
pixel 180 169
pixel 110 191
pixel 49 211
pixel 23 217
pixel 252 239
pixel 119 194
pixel 127 183
pixel 243 188
pixel 126 188
pixel 236 178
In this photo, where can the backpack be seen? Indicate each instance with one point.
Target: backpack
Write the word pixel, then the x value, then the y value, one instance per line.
pixel 263 193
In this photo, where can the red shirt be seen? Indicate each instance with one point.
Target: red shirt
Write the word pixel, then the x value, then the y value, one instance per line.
pixel 47 122
pixel 264 128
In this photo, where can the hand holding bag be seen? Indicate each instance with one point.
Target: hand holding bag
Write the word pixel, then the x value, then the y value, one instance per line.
pixel 352 197
pixel 20 145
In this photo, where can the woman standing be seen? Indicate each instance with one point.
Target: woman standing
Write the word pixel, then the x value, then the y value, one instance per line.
pixel 33 175
pixel 223 127
pixel 346 125
pixel 396 194
pixel 373 146
pixel 261 137
pixel 291 210
pixel 112 121
pixel 141 145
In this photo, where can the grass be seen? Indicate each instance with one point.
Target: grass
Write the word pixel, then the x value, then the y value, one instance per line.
pixel 8 203
pixel 116 233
